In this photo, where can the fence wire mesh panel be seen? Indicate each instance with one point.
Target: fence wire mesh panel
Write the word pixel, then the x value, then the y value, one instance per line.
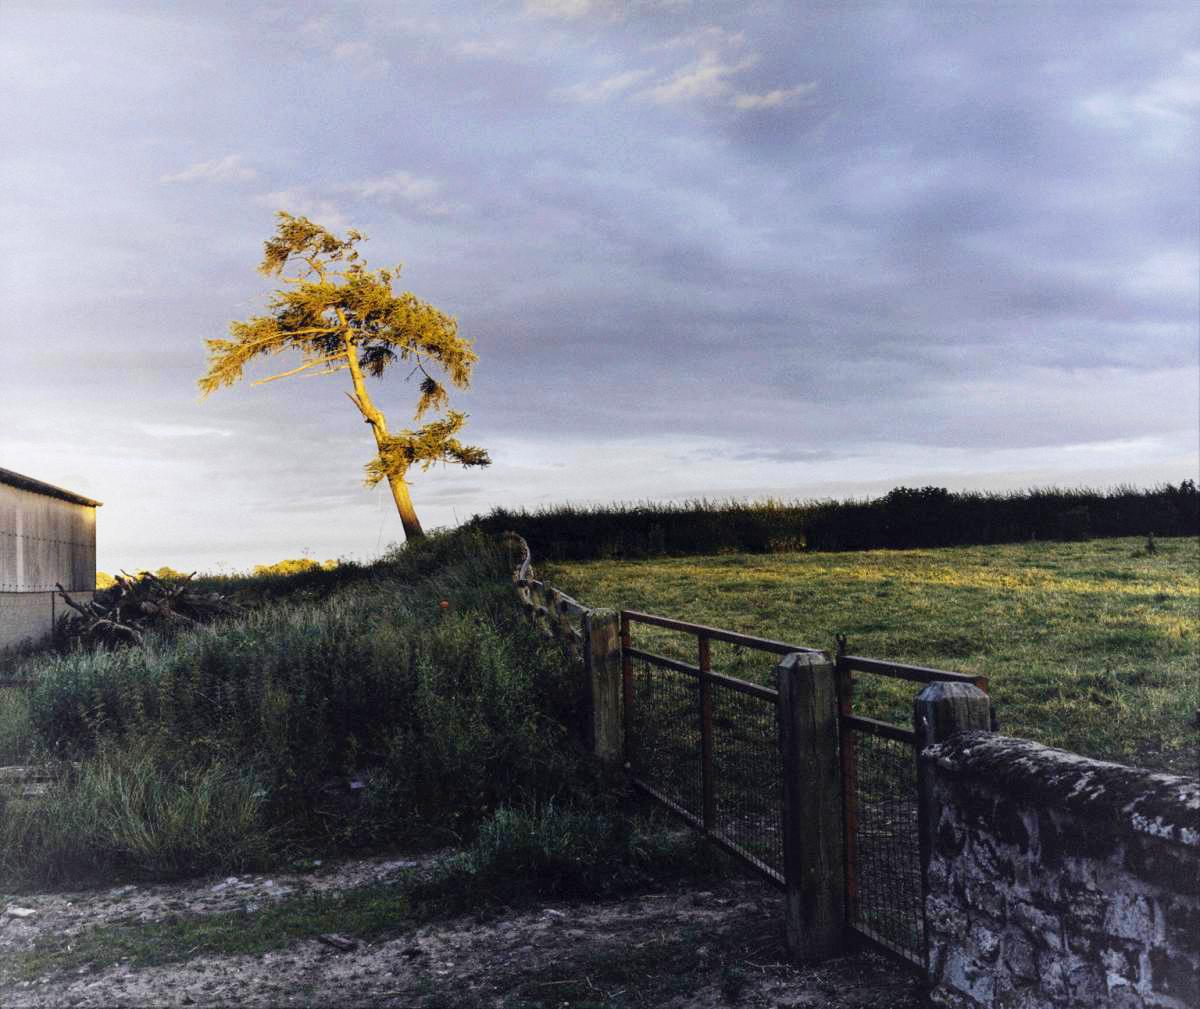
pixel 886 897
pixel 743 663
pixel 664 737
pixel 748 773
pixel 704 742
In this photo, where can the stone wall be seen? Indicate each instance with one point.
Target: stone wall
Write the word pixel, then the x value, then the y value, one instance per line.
pixel 1055 881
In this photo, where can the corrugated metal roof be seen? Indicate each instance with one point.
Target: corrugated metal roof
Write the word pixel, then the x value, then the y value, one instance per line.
pixel 38 487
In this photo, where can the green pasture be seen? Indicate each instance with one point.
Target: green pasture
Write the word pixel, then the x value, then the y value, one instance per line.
pixel 1093 646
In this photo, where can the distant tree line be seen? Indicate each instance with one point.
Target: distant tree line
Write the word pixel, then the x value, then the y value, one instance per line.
pixel 905 517
pixel 285 568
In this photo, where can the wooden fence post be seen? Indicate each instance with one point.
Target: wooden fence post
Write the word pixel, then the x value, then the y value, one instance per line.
pixel 939 711
pixel 812 806
pixel 602 662
pixel 708 774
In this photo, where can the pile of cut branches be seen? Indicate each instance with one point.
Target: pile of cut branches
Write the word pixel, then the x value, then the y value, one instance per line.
pixel 123 613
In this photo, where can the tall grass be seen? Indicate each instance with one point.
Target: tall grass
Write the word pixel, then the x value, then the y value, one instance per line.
pixel 18 741
pixel 130 812
pixel 373 715
pixel 903 518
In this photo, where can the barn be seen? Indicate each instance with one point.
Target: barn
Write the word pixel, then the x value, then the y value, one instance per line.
pixel 47 535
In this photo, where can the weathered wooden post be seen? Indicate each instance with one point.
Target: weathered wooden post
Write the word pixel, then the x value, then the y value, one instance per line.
pixel 939 711
pixel 812 806
pixel 708 774
pixel 943 708
pixel 602 665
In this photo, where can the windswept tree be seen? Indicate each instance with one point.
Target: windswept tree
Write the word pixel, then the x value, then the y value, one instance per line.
pixel 339 316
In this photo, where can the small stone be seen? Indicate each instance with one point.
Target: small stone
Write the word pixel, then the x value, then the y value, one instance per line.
pixel 19 912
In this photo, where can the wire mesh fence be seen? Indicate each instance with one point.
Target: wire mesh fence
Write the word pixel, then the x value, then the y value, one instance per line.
pixel 886 895
pixel 707 744
pixel 663 737
pixel 748 773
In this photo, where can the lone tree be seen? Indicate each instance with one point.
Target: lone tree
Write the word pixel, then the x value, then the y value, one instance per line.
pixel 340 316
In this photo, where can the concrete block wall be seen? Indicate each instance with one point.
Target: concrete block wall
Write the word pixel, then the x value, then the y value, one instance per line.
pixel 1059 882
pixel 30 616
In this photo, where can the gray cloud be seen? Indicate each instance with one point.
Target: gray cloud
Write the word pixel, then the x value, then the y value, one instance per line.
pixel 831 246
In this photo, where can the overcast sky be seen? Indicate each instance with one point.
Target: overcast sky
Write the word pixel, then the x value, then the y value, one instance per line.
pixel 785 248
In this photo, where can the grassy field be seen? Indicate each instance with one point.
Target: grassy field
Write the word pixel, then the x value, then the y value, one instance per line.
pixel 1093 647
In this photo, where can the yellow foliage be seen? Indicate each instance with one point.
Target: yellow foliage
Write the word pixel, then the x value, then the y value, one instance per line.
pixel 294 566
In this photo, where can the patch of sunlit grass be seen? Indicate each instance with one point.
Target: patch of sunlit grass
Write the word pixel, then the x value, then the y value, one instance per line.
pixel 1090 646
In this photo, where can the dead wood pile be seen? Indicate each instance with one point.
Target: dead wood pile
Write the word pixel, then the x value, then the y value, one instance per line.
pixel 123 613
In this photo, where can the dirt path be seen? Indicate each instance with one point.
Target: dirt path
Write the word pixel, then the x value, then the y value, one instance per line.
pixel 683 949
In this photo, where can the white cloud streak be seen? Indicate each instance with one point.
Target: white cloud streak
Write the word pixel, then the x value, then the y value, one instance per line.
pixel 772 99
pixel 226 169
pixel 572 10
pixel 184 431
pixel 482 48
pixel 422 194
pixel 706 78
pixel 302 203
pixel 602 91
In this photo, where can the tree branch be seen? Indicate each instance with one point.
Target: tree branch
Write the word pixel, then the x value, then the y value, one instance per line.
pixel 296 371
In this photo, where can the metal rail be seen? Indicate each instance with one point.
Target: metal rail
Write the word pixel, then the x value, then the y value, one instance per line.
pixel 732 682
pixel 917 674
pixel 717 634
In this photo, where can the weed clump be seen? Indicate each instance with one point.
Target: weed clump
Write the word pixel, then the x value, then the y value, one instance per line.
pixel 584 851
pixel 130 812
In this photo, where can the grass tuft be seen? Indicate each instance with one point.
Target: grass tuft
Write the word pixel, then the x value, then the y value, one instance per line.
pixel 521 856
pixel 126 812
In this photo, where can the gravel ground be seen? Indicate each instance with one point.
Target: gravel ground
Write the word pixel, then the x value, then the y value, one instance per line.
pixel 683 949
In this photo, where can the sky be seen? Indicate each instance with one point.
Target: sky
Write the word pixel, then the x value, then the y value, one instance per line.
pixel 703 250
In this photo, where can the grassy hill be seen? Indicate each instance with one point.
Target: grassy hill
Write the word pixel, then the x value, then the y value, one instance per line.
pixel 1093 646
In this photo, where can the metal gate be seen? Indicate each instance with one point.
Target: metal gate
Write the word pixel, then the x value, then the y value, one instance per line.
pixel 885 898
pixel 705 744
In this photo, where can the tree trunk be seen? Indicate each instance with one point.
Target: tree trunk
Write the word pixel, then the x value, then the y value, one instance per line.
pixel 404 505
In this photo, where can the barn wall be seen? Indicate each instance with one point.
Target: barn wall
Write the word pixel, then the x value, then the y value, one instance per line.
pixel 43 540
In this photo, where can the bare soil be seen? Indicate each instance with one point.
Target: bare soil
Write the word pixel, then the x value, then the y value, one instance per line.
pixel 681 949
